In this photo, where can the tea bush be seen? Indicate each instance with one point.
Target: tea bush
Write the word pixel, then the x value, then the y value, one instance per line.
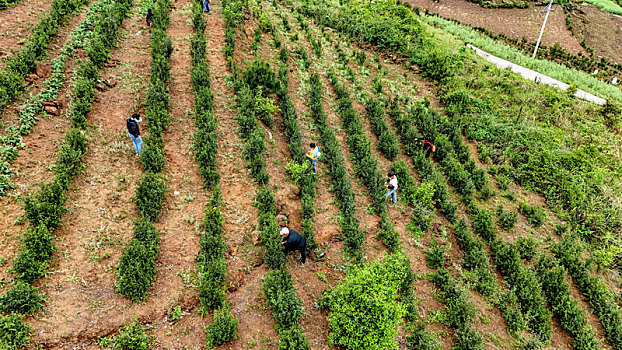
pixel 223 330
pixel 387 143
pixel 22 298
pixel 535 215
pixel 460 312
pixel 363 310
pixel 281 297
pixel 13 332
pixel 23 61
pixel 305 180
pixel 149 196
pixel 133 337
pixel 506 219
pixel 136 269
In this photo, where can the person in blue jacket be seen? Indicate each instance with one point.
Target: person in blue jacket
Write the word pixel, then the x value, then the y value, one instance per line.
pixel 292 240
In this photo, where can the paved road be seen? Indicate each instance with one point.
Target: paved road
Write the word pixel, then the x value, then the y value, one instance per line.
pixel 535 76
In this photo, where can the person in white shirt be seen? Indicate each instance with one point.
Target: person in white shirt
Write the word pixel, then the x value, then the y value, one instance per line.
pixel 391 186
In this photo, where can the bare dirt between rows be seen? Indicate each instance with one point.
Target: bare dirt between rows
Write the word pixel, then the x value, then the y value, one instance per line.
pixel 16 23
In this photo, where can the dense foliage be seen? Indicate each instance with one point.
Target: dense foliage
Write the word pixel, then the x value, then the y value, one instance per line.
pixel 364 307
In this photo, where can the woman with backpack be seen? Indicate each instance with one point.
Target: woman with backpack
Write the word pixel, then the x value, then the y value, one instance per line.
pixel 134 131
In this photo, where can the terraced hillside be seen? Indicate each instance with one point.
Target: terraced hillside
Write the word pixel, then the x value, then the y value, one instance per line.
pixel 507 236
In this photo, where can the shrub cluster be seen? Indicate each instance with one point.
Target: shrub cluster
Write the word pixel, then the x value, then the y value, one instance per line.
pixel 364 310
pixel 132 337
pixel 13 332
pixel 22 62
pixel 476 259
pixel 307 180
pixel 337 169
pixel 572 317
pixel 387 143
pixel 568 251
pixel 278 285
pixel 519 277
pixel 460 312
pixel 365 163
pixel 223 330
pixel 136 269
pixel 535 215
pixel 525 285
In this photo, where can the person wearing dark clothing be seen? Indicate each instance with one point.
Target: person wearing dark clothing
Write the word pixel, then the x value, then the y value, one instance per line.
pixel 134 131
pixel 206 6
pixel 292 240
pixel 149 17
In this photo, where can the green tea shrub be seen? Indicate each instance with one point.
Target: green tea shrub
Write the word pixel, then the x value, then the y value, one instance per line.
pixel 22 298
pixel 258 73
pixel 223 330
pixel 387 143
pixel 152 157
pixel 341 184
pixel 293 339
pixel 13 332
pixel 27 268
pixel 474 256
pixel 435 254
pixel 149 196
pixel 133 337
pixel 527 247
pixel 506 219
pixel 527 288
pixel 572 316
pixel 535 215
pixel 600 299
pixel 212 277
pixel 264 107
pixel 148 234
pixel 46 207
pixel 483 224
pixel 136 270
pixel 278 287
pixel 420 339
pixel 460 312
pixel 364 312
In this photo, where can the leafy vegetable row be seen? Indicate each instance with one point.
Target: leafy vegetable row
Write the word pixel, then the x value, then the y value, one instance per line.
pixel 250 86
pixel 136 269
pixel 12 140
pixel 337 169
pixel 45 208
pixel 22 62
pixel 212 265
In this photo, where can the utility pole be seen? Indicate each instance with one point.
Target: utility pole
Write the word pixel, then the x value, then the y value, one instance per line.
pixel 547 9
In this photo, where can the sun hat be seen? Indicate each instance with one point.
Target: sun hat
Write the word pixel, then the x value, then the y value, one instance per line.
pixel 284 231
